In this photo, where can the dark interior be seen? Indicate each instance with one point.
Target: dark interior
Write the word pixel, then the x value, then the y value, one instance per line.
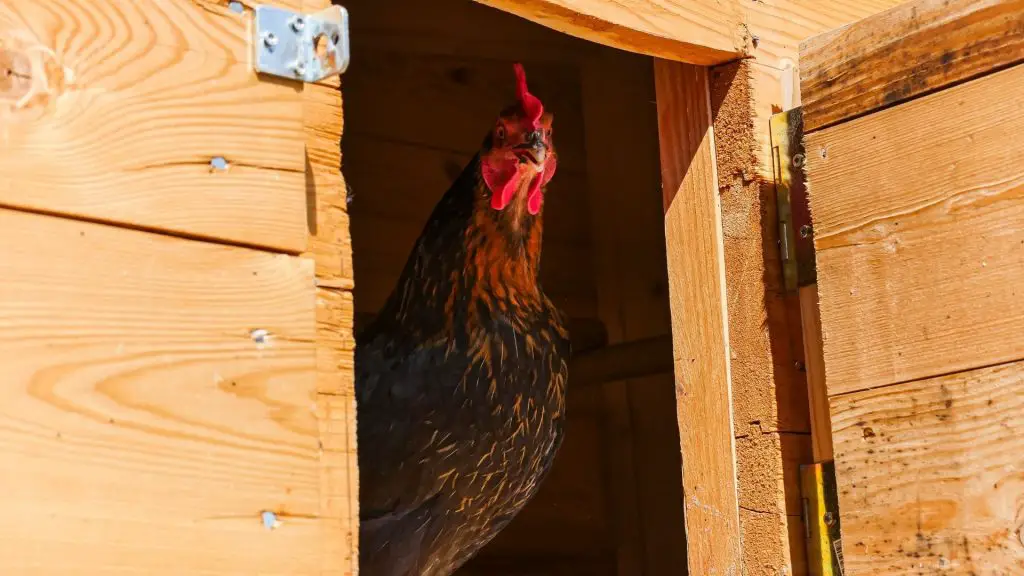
pixel 426 82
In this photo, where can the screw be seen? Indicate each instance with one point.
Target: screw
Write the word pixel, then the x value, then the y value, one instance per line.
pixel 270 40
pixel 299 68
pixel 298 23
pixel 830 519
pixel 260 336
pixel 806 231
pixel 798 160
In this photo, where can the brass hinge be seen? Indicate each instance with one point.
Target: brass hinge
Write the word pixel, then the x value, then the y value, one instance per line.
pixel 796 236
pixel 306 47
pixel 820 500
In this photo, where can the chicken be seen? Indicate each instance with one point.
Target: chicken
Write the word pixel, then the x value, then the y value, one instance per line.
pixel 461 378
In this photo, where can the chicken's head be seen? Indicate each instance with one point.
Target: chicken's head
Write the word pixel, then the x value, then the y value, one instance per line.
pixel 518 158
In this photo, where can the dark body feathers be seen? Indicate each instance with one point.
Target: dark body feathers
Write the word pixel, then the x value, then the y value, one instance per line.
pixel 460 384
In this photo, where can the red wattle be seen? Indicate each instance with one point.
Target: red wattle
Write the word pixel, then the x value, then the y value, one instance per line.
pixel 500 179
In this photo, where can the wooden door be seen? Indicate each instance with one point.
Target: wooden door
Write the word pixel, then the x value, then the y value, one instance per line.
pixel 914 138
pixel 175 315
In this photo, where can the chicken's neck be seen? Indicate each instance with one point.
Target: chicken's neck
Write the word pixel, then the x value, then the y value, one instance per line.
pixel 472 265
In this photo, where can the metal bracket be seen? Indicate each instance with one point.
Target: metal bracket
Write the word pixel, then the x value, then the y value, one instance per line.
pixel 821 519
pixel 796 236
pixel 307 47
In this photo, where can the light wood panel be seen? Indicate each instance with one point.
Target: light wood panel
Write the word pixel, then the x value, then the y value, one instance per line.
pixel 693 236
pixel 144 426
pixel 913 49
pixel 931 475
pixel 919 229
pixel 699 32
pixel 127 106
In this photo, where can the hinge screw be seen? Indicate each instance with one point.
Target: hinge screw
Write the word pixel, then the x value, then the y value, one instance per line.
pixel 299 68
pixel 270 40
pixel 298 24
pixel 798 160
pixel 805 231
pixel 830 519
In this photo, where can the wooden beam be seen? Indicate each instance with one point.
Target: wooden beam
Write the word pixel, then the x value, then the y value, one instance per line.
pixel 913 49
pixel 625 361
pixel 694 241
pixel 704 32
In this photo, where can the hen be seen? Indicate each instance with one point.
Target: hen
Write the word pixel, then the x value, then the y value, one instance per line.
pixel 460 380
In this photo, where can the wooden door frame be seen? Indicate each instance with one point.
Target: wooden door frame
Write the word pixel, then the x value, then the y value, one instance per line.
pixel 721 69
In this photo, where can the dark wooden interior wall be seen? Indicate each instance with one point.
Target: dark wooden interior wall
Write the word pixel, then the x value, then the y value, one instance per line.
pixel 426 83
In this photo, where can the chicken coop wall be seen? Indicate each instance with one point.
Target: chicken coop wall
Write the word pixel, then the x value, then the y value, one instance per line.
pixel 427 85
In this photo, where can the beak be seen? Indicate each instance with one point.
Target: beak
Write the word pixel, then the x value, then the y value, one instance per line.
pixel 533 149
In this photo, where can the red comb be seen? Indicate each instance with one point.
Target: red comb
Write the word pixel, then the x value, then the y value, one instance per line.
pixel 532 106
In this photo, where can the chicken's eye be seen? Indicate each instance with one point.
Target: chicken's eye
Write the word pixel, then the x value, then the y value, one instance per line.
pixel 499 132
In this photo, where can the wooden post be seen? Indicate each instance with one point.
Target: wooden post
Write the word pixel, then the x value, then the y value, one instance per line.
pixel 693 237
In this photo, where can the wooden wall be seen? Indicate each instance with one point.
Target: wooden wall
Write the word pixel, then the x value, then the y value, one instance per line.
pixel 175 331
pixel 424 87
pixel 917 195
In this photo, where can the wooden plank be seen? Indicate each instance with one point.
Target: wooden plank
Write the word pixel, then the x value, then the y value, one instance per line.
pixel 144 427
pixel 615 85
pixel 814 362
pixel 919 229
pixel 694 240
pixel 121 123
pixel 913 49
pixel 702 32
pixel 930 475
pixel 330 248
pixel 769 399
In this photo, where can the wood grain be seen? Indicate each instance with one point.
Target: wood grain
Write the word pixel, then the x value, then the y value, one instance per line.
pixel 130 104
pixel 915 48
pixel 693 236
pixel 143 427
pixel 814 360
pixel 704 32
pixel 330 248
pixel 931 475
pixel 919 229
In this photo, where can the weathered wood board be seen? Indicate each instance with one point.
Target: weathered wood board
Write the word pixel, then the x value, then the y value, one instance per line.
pixel 919 229
pixel 916 182
pixel 931 474
pixel 862 67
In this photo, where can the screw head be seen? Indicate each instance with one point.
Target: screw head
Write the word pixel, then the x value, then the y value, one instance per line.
pixel 805 231
pixel 830 519
pixel 798 160
pixel 270 40
pixel 298 23
pixel 299 68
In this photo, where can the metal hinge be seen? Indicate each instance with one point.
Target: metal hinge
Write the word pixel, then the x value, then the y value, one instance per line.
pixel 796 236
pixel 821 519
pixel 306 47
